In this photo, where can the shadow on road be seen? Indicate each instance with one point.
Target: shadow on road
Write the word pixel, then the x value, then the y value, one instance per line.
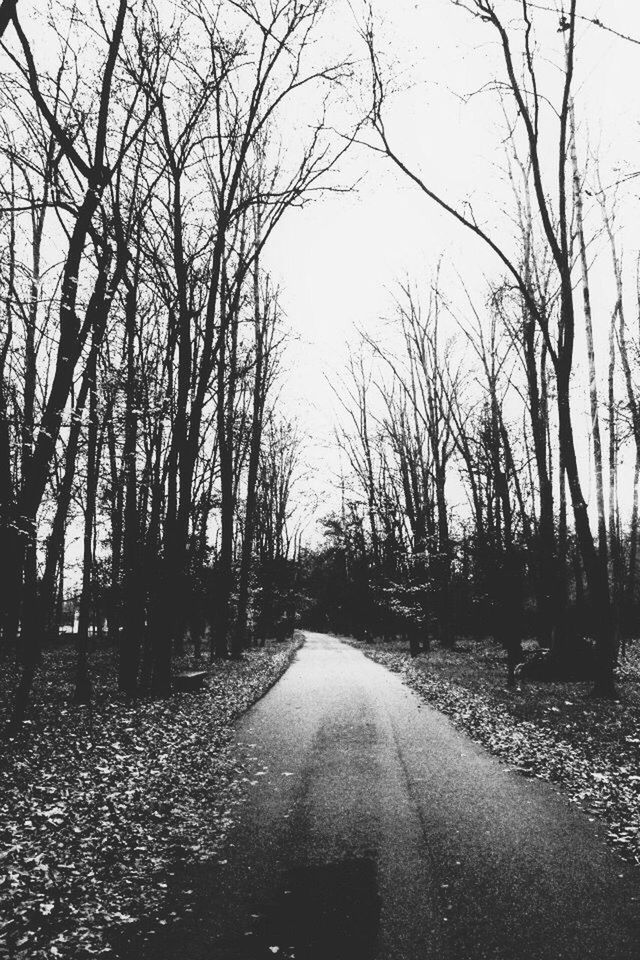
pixel 330 911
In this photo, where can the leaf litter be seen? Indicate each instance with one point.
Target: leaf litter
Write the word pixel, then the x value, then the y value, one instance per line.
pixel 98 807
pixel 552 731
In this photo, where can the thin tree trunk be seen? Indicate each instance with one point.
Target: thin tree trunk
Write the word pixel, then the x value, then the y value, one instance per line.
pixel 615 556
pixel 130 640
pixel 82 692
pixel 593 388
pixel 633 555
pixel 240 633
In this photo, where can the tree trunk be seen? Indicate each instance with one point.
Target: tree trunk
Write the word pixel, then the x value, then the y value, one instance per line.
pixel 595 570
pixel 630 593
pixel 133 588
pixel 29 652
pixel 82 692
pixel 259 390
pixel 593 389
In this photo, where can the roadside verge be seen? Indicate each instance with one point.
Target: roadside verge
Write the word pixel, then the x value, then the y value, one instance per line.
pixel 99 808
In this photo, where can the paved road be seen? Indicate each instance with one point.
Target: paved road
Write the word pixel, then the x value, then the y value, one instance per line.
pixel 375 831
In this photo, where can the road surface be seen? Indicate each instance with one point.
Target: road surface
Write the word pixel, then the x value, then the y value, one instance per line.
pixel 374 830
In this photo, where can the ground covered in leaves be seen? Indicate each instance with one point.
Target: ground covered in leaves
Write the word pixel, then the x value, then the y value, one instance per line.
pixel 554 731
pixel 99 808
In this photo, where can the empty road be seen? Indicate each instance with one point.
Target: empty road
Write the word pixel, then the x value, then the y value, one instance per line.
pixel 373 830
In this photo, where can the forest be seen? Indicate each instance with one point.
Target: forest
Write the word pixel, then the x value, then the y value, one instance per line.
pixel 143 176
pixel 160 521
pixel 143 343
pixel 490 482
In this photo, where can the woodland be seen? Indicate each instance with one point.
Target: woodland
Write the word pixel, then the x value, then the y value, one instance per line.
pixel 153 520
pixel 148 467
pixel 142 339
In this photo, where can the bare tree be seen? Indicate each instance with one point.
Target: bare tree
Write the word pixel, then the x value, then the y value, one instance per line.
pixel 555 225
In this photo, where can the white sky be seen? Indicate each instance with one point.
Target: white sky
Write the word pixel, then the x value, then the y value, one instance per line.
pixel 339 258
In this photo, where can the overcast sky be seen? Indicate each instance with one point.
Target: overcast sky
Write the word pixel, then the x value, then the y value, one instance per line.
pixel 339 258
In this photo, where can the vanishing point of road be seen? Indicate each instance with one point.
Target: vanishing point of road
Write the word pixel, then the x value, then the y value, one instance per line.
pixel 374 830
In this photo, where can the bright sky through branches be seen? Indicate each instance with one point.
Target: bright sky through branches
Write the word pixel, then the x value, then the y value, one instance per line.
pixel 340 258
